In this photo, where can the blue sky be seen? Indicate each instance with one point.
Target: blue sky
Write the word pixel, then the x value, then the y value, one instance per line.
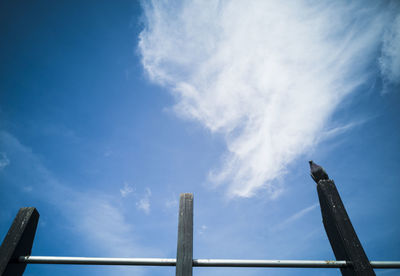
pixel 110 110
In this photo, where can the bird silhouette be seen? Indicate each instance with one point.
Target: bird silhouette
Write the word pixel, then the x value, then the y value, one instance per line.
pixel 317 172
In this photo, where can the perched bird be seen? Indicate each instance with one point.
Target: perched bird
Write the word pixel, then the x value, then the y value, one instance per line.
pixel 317 172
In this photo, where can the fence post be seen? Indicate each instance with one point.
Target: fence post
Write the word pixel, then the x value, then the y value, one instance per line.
pixel 18 242
pixel 341 234
pixel 184 255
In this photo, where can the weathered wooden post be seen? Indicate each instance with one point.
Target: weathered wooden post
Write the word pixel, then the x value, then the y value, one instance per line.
pixel 184 255
pixel 18 242
pixel 341 234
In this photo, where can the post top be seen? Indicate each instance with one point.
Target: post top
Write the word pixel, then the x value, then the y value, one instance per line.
pixel 317 172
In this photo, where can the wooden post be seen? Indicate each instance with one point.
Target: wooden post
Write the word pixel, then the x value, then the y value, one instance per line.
pixel 342 236
pixel 18 242
pixel 184 255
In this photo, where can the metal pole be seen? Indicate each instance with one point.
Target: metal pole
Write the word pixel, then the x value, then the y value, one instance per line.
pixel 198 262
pixel 97 261
pixel 269 263
pixel 18 242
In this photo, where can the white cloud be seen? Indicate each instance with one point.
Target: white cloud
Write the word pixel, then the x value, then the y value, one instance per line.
pixel 144 203
pixel 202 229
pixel 106 224
pixel 390 59
pixel 98 217
pixel 337 130
pixel 27 189
pixel 171 203
pixel 108 153
pixel 298 215
pixel 102 223
pixel 265 74
pixel 4 161
pixel 128 189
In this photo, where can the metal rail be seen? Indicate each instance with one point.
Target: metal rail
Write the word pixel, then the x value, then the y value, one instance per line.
pixel 198 262
pixel 96 261
pixel 269 263
pixel 15 250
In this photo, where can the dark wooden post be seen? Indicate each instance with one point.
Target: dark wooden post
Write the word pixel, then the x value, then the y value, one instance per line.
pixel 344 241
pixel 18 242
pixel 184 255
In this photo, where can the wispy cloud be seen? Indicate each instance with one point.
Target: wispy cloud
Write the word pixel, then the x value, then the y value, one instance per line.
pixel 126 190
pixel 4 161
pixel 97 217
pixel 202 229
pixel 335 131
pixel 103 224
pixel 295 217
pixel 28 189
pixel 390 59
pixel 267 75
pixel 171 203
pixel 144 203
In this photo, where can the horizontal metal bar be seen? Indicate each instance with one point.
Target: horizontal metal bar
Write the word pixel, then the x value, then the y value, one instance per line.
pixel 268 263
pixel 97 261
pixel 385 264
pixel 198 262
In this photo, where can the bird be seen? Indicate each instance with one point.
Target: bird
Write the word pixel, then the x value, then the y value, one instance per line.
pixel 317 172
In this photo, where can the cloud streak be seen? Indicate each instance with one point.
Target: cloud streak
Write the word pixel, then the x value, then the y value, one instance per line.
pixel 390 59
pixel 98 217
pixel 144 203
pixel 127 190
pixel 4 161
pixel 295 217
pixel 267 75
